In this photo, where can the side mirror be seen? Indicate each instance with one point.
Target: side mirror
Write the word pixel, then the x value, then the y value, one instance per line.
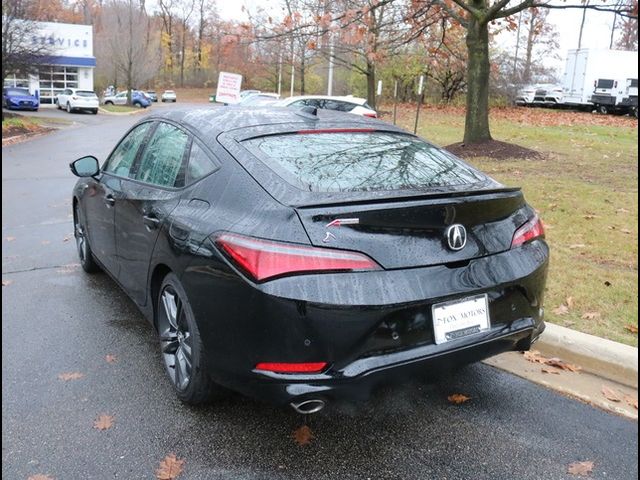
pixel 85 167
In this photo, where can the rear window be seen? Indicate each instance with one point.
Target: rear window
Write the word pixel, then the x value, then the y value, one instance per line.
pixel 633 82
pixel 360 161
pixel 602 83
pixel 85 93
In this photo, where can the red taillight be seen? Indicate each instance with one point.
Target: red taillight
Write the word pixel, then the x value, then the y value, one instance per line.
pixel 313 367
pixel 530 230
pixel 263 259
pixel 370 115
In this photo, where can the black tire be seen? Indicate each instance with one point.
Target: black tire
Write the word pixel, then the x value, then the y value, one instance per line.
pixel 94 111
pixel 634 112
pixel 602 109
pixel 137 104
pixel 108 103
pixel 181 345
pixel 85 254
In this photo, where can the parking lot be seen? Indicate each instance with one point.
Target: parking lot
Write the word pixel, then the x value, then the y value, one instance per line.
pixel 58 320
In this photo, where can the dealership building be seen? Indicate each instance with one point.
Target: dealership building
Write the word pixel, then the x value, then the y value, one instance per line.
pixel 70 62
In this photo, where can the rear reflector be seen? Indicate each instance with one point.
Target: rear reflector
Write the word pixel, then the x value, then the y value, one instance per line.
pixel 527 232
pixel 264 259
pixel 370 115
pixel 314 367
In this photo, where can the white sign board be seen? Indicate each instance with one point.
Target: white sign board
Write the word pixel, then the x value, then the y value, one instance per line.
pixel 64 39
pixel 228 87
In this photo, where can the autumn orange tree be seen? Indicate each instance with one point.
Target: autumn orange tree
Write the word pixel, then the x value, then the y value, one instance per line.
pixel 475 16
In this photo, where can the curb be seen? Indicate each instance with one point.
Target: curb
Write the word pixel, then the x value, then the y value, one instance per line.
pixel 602 357
pixel 107 112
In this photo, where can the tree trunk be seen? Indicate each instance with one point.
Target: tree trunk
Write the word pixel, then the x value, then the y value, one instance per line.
pixel 526 77
pixel 476 127
pixel 182 52
pixel 302 69
pixel 371 85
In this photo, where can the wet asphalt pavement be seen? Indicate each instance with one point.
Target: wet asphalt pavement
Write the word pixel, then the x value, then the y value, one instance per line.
pixel 57 319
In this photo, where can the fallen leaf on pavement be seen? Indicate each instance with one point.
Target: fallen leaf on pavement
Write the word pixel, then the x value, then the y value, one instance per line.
pixel 70 376
pixel 630 328
pixel 561 310
pixel 170 467
pixel 111 358
pixel 458 398
pixel 625 230
pixel 550 370
pixel 103 422
pixel 45 242
pixel 561 364
pixel 10 239
pixel 67 238
pixel 534 356
pixel 6 283
pixel 40 476
pixel 303 435
pixel 580 468
pixel 590 315
pixel 611 394
pixel 632 402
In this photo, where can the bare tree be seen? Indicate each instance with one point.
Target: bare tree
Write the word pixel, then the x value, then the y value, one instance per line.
pixel 23 48
pixel 125 33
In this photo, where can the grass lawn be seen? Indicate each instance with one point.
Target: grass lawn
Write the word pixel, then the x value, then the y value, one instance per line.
pixel 586 191
pixel 13 125
pixel 119 108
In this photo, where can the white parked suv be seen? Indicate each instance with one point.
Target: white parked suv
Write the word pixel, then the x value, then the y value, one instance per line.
pixel 349 104
pixel 75 99
pixel 169 96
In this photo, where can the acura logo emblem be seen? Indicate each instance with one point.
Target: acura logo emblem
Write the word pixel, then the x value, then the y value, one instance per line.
pixel 456 237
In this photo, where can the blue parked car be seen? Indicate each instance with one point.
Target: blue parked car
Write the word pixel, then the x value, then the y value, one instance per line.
pixel 138 99
pixel 17 98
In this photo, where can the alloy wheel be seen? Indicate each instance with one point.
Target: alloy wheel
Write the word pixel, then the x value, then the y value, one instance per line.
pixel 175 338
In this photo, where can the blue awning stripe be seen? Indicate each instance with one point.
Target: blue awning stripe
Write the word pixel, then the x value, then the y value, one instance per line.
pixel 70 61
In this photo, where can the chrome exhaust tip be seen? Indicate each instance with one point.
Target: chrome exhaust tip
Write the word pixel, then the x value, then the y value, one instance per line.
pixel 307 407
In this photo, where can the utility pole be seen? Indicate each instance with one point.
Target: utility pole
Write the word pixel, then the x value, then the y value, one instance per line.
pixel 613 29
pixel 279 73
pixel 330 76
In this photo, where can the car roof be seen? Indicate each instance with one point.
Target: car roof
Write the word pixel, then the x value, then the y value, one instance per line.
pixel 210 122
pixel 345 98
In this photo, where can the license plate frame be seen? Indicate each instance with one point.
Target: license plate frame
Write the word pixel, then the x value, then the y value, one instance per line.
pixel 460 318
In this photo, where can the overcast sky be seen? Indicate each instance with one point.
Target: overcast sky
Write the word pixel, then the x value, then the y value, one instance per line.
pixel 597 27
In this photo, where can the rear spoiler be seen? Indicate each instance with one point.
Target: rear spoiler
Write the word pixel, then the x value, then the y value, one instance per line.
pixel 385 197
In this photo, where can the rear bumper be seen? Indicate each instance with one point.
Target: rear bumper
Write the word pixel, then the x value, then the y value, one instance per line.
pixel 359 379
pixel 369 326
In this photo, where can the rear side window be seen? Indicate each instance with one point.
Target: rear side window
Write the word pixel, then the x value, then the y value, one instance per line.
pixel 163 158
pixel 633 83
pixel 360 161
pixel 602 83
pixel 339 106
pixel 200 164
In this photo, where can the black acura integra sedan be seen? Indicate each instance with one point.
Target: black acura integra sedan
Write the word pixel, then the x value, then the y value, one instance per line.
pixel 300 256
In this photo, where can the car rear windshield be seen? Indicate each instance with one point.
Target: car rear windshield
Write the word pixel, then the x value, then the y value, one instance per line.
pixel 85 93
pixel 17 91
pixel 602 83
pixel 360 161
pixel 633 82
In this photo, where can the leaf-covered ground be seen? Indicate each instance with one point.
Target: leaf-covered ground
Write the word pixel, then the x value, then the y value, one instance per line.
pixel 586 190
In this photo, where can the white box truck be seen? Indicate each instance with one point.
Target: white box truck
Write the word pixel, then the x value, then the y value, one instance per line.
pixel 585 66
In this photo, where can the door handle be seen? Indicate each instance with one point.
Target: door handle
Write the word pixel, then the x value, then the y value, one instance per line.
pixel 151 221
pixel 109 200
